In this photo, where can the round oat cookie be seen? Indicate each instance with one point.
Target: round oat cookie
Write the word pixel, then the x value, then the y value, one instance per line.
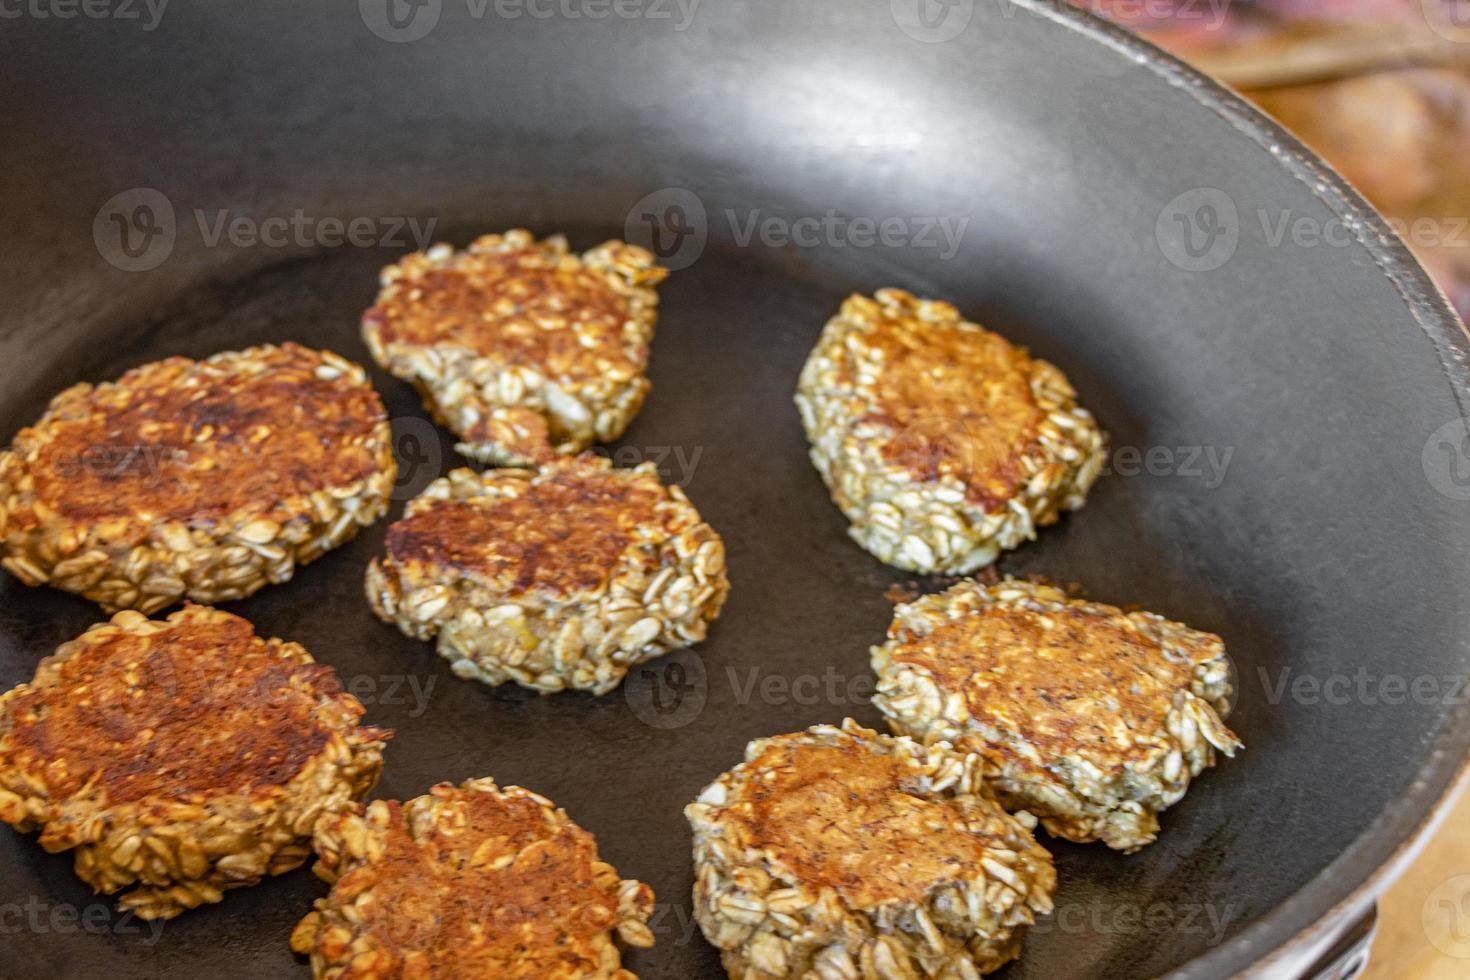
pixel 1093 719
pixel 519 347
pixel 199 479
pixel 180 757
pixel 470 882
pixel 562 577
pixel 845 853
pixel 941 442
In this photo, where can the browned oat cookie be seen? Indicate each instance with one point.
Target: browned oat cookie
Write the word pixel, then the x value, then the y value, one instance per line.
pixel 522 349
pixel 845 853
pixel 941 442
pixel 566 576
pixel 1093 719
pixel 180 757
pixel 470 882
pixel 199 479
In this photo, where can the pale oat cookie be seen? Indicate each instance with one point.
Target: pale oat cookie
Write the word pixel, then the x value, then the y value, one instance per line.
pixel 1093 719
pixel 469 882
pixel 941 442
pixel 199 479
pixel 521 348
pixel 845 853
pixel 180 757
pixel 562 577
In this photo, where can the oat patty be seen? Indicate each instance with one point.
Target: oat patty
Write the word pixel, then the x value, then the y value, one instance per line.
pixel 563 577
pixel 522 349
pixel 845 853
pixel 180 757
pixel 468 882
pixel 941 442
pixel 1091 718
pixel 199 479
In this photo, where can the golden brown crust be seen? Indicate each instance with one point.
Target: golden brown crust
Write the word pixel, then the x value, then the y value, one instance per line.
pixel 184 714
pixel 845 853
pixel 521 348
pixel 199 479
pixel 525 308
pixel 1039 673
pixel 179 758
pixel 562 535
pixel 958 398
pixel 1093 719
pixel 470 882
pixel 847 818
pixel 940 441
pixel 565 576
pixel 159 442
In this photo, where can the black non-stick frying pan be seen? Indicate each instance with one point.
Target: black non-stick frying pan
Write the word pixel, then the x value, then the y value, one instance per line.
pixel 1286 407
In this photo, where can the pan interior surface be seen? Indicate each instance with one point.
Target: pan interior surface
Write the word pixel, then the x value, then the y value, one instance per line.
pixel 1273 416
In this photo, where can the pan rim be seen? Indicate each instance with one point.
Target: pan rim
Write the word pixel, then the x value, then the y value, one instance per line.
pixel 1314 913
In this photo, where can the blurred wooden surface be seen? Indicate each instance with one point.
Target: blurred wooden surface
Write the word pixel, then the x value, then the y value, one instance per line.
pixel 1424 919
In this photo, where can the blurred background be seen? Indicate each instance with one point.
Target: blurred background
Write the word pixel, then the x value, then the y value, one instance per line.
pixel 1381 89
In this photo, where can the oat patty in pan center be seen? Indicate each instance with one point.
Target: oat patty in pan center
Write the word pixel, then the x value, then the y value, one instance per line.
pixel 562 577
pixel 521 348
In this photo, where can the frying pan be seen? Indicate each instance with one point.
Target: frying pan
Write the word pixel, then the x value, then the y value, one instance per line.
pixel 190 182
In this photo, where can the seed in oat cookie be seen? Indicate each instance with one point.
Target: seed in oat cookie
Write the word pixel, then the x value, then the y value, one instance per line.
pixel 195 479
pixel 941 442
pixel 519 347
pixel 1093 719
pixel 179 758
pixel 839 852
pixel 562 577
pixel 470 882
